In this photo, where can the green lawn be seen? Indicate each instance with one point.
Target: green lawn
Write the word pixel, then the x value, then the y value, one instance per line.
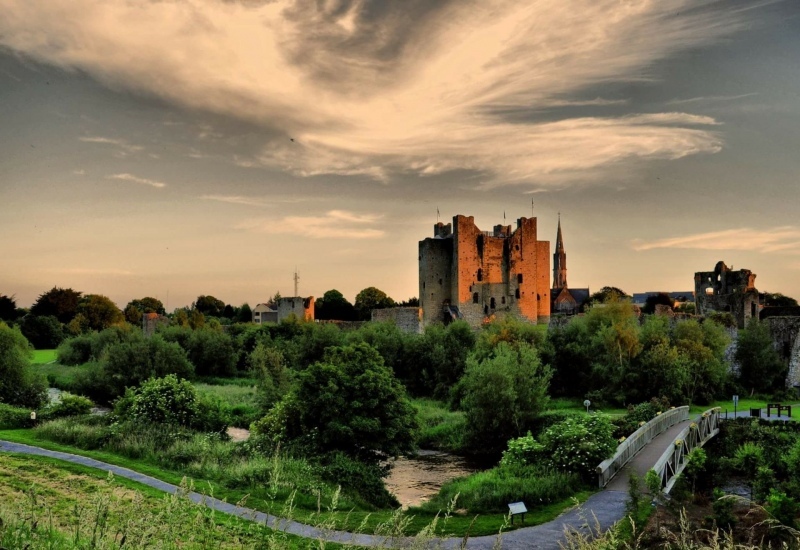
pixel 569 404
pixel 43 356
pixel 746 405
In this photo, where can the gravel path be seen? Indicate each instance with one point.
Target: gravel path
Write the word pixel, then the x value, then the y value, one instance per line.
pixel 603 509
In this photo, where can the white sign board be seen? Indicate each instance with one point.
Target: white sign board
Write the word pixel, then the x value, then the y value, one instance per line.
pixel 515 508
pixel 735 400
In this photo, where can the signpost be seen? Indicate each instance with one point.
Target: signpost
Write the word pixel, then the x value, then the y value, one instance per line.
pixel 586 404
pixel 735 404
pixel 517 509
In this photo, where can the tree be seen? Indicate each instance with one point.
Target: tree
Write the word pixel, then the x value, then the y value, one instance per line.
pixel 503 394
pixel 209 306
pixel 212 353
pixel 267 365
pixel 136 308
pixel 371 298
pixel 99 311
pixel 411 302
pixel 8 308
pixel 272 303
pixel 333 305
pixel 244 314
pixel 761 369
pixel 352 403
pixel 62 303
pixel 607 294
pixel 777 299
pixel 43 332
pixel 662 298
pixel 19 386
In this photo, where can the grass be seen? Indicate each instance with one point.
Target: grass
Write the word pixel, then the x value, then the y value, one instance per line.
pixel 240 399
pixel 747 404
pixel 52 504
pixel 569 404
pixel 43 356
pixel 440 428
pixel 307 510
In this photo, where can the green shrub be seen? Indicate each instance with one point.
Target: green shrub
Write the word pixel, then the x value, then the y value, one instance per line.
pixel 70 405
pixel 782 507
pixel 366 480
pixel 75 351
pixel 12 418
pixel 523 451
pixel 72 431
pixel 723 509
pixel 578 445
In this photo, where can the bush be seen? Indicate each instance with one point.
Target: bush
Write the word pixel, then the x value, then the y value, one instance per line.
pixel 782 507
pixel 70 405
pixel 12 418
pixel 75 351
pixel 128 364
pixel 366 480
pixel 578 445
pixel 212 353
pixel 43 332
pixel 71 431
pixel 19 384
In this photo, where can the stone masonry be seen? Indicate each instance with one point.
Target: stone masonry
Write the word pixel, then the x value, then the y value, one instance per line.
pixel 479 275
pixel 302 308
pixel 407 319
pixel 724 290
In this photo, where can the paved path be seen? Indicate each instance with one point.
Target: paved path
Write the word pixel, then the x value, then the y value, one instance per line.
pixel 604 508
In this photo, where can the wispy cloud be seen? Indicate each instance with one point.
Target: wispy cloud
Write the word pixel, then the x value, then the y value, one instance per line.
pixel 123 146
pixel 334 224
pixel 776 239
pixel 235 199
pixel 712 98
pixel 407 87
pixel 135 179
pixel 596 102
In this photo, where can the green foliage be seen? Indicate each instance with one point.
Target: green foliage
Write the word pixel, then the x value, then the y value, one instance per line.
pixel 366 480
pixel 12 418
pixel 761 369
pixel 209 306
pixel 782 507
pixel 8 308
pixel 662 298
pixel 212 353
pixel 371 298
pixel 578 445
pixel 776 299
pixel 61 303
pixel 42 331
pixel 653 483
pixel 439 428
pixel 136 308
pixel 273 380
pixel 492 490
pixel 19 385
pixel 748 457
pixel 503 394
pixel 351 402
pixel 244 314
pixel 333 305
pixel 69 405
pixel 523 451
pixel 723 509
pixel 98 312
pixel 170 401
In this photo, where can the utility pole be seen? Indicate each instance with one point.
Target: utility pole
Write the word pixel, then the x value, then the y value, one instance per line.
pixel 296 282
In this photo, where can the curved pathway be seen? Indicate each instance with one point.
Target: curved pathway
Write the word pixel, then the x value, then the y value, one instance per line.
pixel 602 509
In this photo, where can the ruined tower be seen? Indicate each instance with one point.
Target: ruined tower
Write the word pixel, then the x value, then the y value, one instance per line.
pixel 725 290
pixel 466 273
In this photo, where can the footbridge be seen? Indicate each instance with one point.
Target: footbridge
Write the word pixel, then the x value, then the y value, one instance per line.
pixel 662 444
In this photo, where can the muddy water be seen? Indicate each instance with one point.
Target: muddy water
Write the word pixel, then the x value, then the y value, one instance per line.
pixel 415 480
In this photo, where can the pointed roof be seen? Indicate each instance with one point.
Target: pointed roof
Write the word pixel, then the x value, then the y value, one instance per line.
pixel 559 239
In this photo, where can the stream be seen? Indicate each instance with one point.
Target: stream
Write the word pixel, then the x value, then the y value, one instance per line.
pixel 416 479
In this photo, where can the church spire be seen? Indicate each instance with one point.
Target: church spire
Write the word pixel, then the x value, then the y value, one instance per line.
pixel 559 260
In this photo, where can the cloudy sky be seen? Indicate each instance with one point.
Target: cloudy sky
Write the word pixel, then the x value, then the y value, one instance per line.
pixel 182 147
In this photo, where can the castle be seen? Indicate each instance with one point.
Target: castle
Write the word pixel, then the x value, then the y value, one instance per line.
pixel 466 273
pixel 725 290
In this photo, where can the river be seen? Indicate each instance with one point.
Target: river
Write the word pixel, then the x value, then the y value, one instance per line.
pixel 415 480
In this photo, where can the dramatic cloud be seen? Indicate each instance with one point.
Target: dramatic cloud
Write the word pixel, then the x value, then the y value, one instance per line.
pixel 778 239
pixel 374 88
pixel 134 179
pixel 333 225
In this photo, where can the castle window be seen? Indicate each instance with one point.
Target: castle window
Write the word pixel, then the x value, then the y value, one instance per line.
pixel 480 274
pixel 516 293
pixel 709 291
pixel 503 300
pixel 440 282
pixel 475 298
pixel 486 310
pixel 519 278
pixel 516 247
pixel 538 297
pixel 492 303
pixel 423 285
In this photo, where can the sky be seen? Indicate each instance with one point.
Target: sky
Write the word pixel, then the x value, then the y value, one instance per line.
pixel 179 148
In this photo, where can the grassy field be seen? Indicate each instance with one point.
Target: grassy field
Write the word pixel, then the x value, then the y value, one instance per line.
pixel 746 404
pixel 52 504
pixel 43 356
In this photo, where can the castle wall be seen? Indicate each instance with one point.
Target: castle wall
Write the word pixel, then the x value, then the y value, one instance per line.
pixel 723 290
pixel 785 331
pixel 407 319
pixel 302 308
pixel 435 276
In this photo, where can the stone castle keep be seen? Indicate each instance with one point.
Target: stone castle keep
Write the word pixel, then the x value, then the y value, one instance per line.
pixel 466 273
pixel 725 290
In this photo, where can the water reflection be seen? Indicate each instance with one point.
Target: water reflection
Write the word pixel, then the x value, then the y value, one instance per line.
pixel 415 480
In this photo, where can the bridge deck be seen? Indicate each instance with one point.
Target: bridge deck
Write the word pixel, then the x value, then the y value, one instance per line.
pixel 646 458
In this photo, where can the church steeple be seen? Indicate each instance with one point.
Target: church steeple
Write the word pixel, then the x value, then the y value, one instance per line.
pixel 559 260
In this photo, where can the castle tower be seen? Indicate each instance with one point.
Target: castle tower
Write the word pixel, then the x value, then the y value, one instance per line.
pixel 559 261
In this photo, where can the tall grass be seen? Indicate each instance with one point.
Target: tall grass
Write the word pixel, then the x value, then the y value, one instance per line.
pixel 240 400
pixel 492 490
pixel 440 428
